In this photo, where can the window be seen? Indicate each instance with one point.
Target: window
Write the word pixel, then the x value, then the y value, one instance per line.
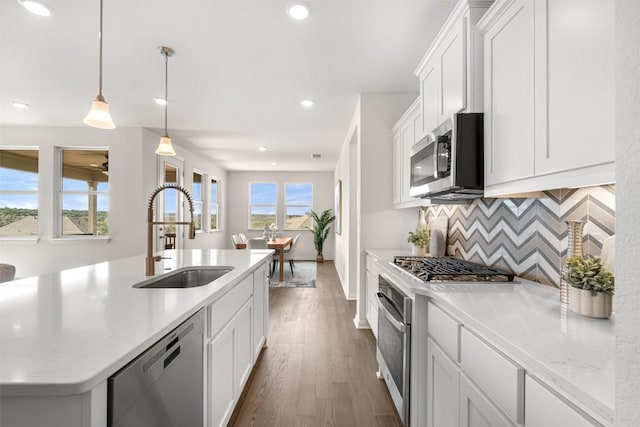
pixel 213 206
pixel 298 203
pixel 18 193
pixel 85 192
pixel 197 194
pixel 263 198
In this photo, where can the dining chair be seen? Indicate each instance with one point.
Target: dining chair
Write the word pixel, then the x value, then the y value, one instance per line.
pixel 7 272
pixel 260 243
pixel 235 240
pixel 290 253
pixel 243 238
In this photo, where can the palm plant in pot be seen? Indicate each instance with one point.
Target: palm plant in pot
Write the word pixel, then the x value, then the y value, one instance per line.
pixel 321 230
pixel 591 286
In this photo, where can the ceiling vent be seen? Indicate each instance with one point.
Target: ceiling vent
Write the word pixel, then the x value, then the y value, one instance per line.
pixel 316 156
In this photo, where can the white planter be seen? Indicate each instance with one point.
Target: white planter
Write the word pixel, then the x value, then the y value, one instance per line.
pixel 419 250
pixel 586 304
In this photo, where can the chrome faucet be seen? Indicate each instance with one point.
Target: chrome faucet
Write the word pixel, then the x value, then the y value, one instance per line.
pixel 150 260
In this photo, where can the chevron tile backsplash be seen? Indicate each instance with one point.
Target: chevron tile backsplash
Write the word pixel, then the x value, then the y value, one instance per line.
pixel 529 236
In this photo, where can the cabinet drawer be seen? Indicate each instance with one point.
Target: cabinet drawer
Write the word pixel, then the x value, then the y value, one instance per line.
pixel 373 267
pixel 444 330
pixel 544 409
pixel 500 378
pixel 221 311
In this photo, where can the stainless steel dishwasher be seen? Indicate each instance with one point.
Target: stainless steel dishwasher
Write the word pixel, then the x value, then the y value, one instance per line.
pixel 163 387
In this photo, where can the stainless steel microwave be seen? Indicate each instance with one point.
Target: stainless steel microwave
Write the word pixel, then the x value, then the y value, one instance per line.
pixel 448 164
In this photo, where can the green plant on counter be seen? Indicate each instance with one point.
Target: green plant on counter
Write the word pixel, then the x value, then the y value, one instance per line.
pixel 420 237
pixel 588 274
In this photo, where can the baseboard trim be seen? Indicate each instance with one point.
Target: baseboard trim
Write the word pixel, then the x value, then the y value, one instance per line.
pixel 361 324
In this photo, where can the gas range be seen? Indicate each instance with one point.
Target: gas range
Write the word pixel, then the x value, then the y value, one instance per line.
pixel 432 269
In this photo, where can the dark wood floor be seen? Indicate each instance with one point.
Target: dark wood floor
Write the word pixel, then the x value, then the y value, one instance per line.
pixel 318 369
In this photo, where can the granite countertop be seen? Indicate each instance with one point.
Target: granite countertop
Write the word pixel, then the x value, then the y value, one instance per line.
pixel 66 332
pixel 525 320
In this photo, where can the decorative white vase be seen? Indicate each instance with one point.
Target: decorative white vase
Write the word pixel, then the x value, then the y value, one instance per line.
pixel 419 250
pixel 422 219
pixel 586 304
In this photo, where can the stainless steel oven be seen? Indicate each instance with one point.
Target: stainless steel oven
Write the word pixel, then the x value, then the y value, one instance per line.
pixel 394 343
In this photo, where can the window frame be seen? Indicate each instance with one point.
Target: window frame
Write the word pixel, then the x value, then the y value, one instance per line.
pixel 203 201
pixel 214 202
pixel 58 204
pixel 35 192
pixel 275 205
pixel 296 206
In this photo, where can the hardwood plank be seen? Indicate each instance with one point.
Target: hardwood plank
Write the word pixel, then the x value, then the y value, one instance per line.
pixel 318 370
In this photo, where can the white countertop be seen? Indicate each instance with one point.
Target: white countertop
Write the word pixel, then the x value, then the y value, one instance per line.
pixel 64 333
pixel 525 320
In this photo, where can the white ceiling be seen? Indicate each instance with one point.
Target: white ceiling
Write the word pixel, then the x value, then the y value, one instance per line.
pixel 240 70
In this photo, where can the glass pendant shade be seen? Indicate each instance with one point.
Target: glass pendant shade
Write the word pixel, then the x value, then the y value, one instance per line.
pixel 165 148
pixel 99 116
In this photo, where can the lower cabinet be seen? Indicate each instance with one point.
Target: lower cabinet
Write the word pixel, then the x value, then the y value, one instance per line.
pixel 476 410
pixel 372 303
pixel 444 388
pixel 260 309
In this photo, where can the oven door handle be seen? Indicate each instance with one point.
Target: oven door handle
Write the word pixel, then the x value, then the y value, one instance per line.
pixel 385 308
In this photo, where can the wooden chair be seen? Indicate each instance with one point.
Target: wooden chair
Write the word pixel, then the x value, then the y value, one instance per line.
pixel 169 240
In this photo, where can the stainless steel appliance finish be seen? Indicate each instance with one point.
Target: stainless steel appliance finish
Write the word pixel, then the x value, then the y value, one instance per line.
pixel 394 343
pixel 163 387
pixel 446 269
pixel 188 277
pixel 448 164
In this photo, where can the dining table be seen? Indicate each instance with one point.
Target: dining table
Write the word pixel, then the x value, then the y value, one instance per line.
pixel 280 243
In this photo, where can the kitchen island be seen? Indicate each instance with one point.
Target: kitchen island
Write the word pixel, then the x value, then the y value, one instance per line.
pixel 565 358
pixel 62 335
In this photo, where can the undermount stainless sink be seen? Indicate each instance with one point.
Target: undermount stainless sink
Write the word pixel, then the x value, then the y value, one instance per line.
pixel 189 277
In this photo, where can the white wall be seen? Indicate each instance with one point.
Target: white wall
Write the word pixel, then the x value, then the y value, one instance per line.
pixel 378 224
pixel 627 402
pixel 238 206
pixel 132 178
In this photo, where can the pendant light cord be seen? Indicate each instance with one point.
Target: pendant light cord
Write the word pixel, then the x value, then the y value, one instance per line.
pixel 100 97
pixel 166 91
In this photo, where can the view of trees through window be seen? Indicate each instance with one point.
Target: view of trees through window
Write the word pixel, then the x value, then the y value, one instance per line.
pixel 298 203
pixel 263 200
pixel 85 192
pixel 18 193
pixel 213 204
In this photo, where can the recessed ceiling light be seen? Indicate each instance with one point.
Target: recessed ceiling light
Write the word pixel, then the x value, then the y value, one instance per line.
pixel 20 105
pixel 159 101
pixel 298 10
pixel 307 103
pixel 273 163
pixel 37 7
pixel 262 148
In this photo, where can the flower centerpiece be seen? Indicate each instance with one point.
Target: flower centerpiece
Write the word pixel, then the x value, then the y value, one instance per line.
pixel 591 286
pixel 420 241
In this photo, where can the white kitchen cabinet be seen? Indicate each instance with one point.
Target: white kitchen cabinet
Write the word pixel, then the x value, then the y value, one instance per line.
pixel 476 410
pixel 450 73
pixel 260 310
pixel 372 304
pixel 405 134
pixel 443 388
pixel 545 409
pixel 548 93
pixel 220 377
pixel 242 347
pixel 509 95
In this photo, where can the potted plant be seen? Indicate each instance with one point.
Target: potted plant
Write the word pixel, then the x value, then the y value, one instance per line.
pixel 321 230
pixel 591 286
pixel 420 241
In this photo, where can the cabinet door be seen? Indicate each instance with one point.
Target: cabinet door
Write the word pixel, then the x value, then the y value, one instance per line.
pixel 242 348
pixel 476 410
pixel 544 409
pixel 220 384
pixel 407 143
pixel 509 95
pixel 580 61
pixel 453 71
pixel 430 93
pixel 372 308
pixel 397 167
pixel 260 310
pixel 443 388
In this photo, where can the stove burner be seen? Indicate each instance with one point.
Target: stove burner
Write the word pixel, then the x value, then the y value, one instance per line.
pixel 443 269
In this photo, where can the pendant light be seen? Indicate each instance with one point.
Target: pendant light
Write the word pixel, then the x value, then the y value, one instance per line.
pixel 165 148
pixel 99 116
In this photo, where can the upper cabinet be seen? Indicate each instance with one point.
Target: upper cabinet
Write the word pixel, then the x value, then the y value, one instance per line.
pixel 450 73
pixel 406 132
pixel 548 94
